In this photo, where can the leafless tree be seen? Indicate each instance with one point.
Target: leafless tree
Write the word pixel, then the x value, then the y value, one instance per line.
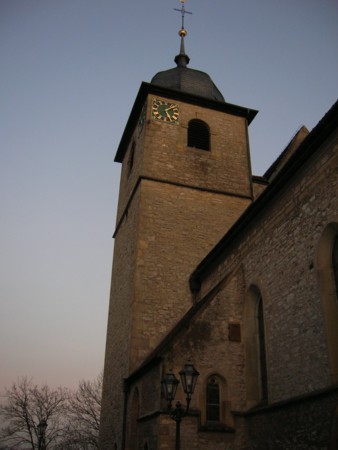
pixel 25 406
pixel 84 410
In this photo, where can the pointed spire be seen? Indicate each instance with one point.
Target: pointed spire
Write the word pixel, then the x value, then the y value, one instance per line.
pixel 182 60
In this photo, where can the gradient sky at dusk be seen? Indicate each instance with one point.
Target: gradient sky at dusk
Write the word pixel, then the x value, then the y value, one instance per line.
pixel 70 71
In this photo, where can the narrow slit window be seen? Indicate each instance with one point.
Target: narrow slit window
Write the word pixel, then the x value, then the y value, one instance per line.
pixel 131 158
pixel 198 134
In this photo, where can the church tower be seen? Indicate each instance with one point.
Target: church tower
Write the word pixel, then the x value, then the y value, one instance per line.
pixel 186 178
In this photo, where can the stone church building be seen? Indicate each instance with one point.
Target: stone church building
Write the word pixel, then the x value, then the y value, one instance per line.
pixel 235 273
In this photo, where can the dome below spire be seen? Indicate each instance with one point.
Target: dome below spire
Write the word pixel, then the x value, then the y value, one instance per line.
pixel 189 81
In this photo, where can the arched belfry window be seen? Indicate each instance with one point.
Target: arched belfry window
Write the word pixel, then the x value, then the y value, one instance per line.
pixel 198 134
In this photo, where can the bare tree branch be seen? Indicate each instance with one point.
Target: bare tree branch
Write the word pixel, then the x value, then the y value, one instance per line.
pixel 84 410
pixel 73 417
pixel 26 405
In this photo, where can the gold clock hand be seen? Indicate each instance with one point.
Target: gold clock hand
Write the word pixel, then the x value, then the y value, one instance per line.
pixel 171 107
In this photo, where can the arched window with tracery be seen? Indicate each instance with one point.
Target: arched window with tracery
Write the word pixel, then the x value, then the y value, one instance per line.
pixel 255 348
pixel 327 269
pixel 198 134
pixel 262 353
pixel 216 411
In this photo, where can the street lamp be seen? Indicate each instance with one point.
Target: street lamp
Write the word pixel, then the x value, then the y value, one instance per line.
pixel 169 383
pixel 42 434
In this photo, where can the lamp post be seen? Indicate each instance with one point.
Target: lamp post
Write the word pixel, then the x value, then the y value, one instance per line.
pixel 42 434
pixel 169 383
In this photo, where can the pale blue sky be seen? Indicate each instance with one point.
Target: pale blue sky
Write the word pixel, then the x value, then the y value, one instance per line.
pixel 70 71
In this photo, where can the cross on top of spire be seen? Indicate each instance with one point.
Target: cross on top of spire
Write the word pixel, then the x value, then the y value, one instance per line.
pixel 183 12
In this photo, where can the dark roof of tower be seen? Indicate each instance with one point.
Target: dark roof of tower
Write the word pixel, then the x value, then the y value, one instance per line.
pixel 189 81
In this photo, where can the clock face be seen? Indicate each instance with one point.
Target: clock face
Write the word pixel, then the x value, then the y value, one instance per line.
pixel 165 111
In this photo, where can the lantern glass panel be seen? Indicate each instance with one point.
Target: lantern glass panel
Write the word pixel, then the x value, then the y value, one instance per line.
pixel 169 386
pixel 189 377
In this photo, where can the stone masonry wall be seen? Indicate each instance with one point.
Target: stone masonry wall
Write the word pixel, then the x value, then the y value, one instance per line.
pixel 278 255
pixel 185 190
pixel 175 203
pixel 177 227
pixel 225 168
pixel 119 329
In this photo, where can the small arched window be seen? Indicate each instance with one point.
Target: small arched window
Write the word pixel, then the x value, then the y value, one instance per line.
pixel 216 412
pixel 198 134
pixel 213 403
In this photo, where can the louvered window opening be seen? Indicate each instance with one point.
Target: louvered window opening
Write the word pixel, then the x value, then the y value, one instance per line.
pixel 198 135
